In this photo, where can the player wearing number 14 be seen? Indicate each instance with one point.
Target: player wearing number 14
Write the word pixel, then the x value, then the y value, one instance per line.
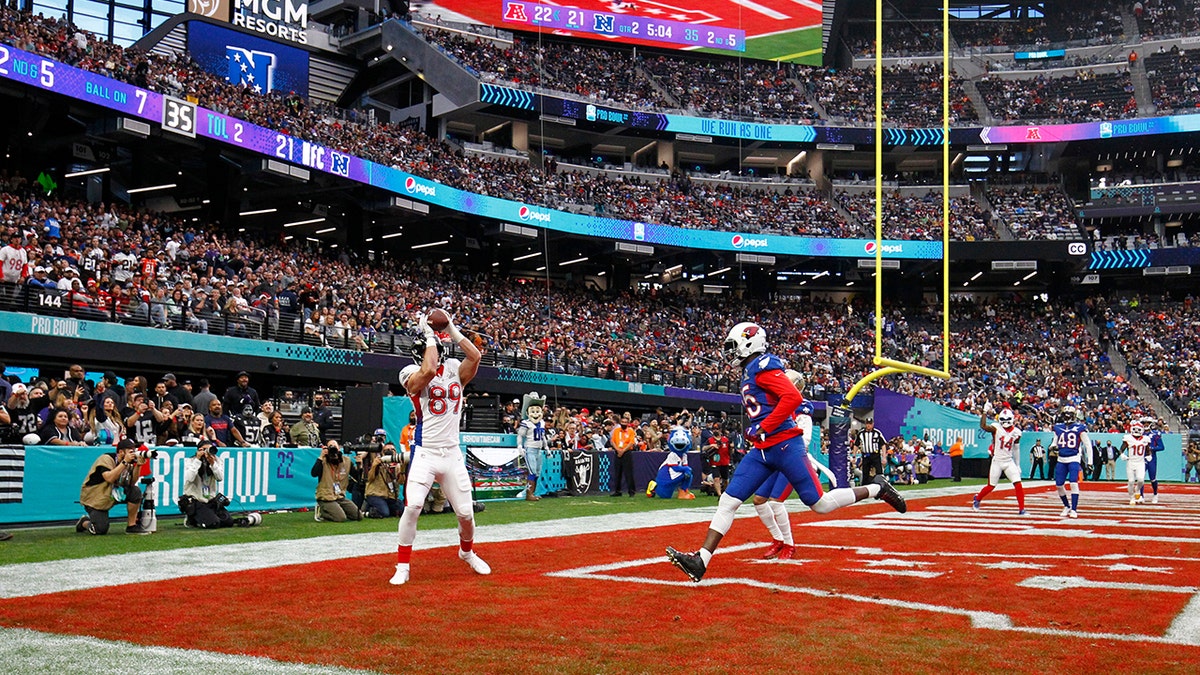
pixel 1005 443
pixel 435 385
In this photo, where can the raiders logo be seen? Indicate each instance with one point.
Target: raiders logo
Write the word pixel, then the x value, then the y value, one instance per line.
pixel 581 472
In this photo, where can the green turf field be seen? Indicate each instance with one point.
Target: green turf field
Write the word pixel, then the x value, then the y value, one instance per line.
pixel 61 542
pixel 801 46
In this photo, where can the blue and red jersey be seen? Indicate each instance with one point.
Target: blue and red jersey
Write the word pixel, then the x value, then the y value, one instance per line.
pixel 770 399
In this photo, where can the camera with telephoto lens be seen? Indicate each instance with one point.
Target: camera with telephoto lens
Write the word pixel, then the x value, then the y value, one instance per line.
pixel 220 500
pixel 333 455
pixel 367 446
pixel 389 459
pixel 142 452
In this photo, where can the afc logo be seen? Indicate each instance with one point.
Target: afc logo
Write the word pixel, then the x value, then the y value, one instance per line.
pixel 253 69
pixel 515 11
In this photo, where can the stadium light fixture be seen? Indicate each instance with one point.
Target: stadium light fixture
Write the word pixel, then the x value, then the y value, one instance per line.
pixel 720 271
pixel 392 235
pixel 541 269
pixel 977 275
pixel 326 230
pixel 149 188
pixel 89 172
pixel 311 221
pixel 431 244
pixel 1029 276
pixel 258 212
pixel 527 256
pixel 572 262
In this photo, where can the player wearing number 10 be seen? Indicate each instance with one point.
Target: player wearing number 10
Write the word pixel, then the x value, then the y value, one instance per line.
pixel 770 400
pixel 435 385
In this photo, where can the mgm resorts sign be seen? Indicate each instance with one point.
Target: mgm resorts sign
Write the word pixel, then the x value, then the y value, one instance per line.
pixel 279 19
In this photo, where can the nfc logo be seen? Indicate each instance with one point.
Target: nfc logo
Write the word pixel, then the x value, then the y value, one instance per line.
pixel 1076 248
pixel 252 68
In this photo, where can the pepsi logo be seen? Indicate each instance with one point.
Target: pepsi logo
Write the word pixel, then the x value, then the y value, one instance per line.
pixel 527 214
pixel 739 241
pixel 413 187
pixel 870 247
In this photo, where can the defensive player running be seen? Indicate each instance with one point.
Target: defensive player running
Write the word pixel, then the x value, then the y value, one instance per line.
pixel 1074 448
pixel 1134 447
pixel 770 496
pixel 435 385
pixel 770 401
pixel 1005 436
pixel 674 473
pixel 1155 447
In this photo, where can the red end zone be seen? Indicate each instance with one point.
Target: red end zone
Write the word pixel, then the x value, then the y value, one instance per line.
pixel 756 17
pixel 941 588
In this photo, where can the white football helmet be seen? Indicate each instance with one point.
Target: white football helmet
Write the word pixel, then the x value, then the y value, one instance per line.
pixel 1136 429
pixel 745 340
pixel 1006 418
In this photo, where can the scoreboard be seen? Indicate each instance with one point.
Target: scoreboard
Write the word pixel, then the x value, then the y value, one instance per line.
pixel 530 15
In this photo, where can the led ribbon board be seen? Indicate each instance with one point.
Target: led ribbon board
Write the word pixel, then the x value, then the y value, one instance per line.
pixel 186 118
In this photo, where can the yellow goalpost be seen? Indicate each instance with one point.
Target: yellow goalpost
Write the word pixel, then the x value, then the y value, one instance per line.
pixel 886 366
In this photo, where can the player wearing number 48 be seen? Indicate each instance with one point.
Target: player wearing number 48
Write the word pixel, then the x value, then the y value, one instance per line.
pixel 437 382
pixel 770 400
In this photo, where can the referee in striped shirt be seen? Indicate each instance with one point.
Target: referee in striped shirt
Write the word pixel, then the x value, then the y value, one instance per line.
pixel 870 442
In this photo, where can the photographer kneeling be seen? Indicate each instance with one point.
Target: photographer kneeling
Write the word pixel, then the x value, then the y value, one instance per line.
pixel 385 474
pixel 332 471
pixel 109 472
pixel 201 503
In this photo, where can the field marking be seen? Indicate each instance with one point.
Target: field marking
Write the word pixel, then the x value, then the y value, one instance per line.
pixel 765 11
pixel 28 651
pixel 1048 583
pixel 1184 629
pixel 30 579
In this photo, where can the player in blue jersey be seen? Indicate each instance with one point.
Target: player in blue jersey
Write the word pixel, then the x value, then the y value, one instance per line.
pixel 770 401
pixel 770 496
pixel 674 473
pixel 1156 446
pixel 1074 448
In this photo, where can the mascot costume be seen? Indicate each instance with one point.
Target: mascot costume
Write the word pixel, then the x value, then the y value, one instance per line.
pixel 674 473
pixel 531 440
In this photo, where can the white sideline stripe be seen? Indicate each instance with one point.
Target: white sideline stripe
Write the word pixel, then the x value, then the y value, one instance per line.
pixel 27 651
pixel 865 524
pixel 1186 626
pixel 30 579
pixel 900 573
pixel 765 11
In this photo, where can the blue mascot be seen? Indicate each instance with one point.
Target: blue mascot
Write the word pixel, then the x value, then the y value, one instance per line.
pixel 674 473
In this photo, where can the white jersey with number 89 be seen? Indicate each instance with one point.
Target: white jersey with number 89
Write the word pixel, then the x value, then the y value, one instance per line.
pixel 439 406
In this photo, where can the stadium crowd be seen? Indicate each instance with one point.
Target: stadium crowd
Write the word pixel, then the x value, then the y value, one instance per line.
pixel 107 262
pixel 920 217
pixel 1034 212
pixel 1159 339
pixel 1079 97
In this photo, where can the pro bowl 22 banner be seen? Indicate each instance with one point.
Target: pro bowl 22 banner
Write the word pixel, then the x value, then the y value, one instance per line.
pixel 263 65
pixel 900 415
pixel 46 485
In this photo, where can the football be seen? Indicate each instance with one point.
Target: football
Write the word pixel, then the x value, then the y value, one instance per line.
pixel 438 319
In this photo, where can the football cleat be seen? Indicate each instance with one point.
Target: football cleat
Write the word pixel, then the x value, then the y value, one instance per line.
pixel 786 552
pixel 1073 514
pixel 684 494
pixel 1154 500
pixel 475 562
pixel 650 488
pixel 1065 512
pixel 1021 512
pixel 401 576
pixel 1139 499
pixel 890 495
pixel 691 563
pixel 1133 501
pixel 975 502
pixel 773 550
